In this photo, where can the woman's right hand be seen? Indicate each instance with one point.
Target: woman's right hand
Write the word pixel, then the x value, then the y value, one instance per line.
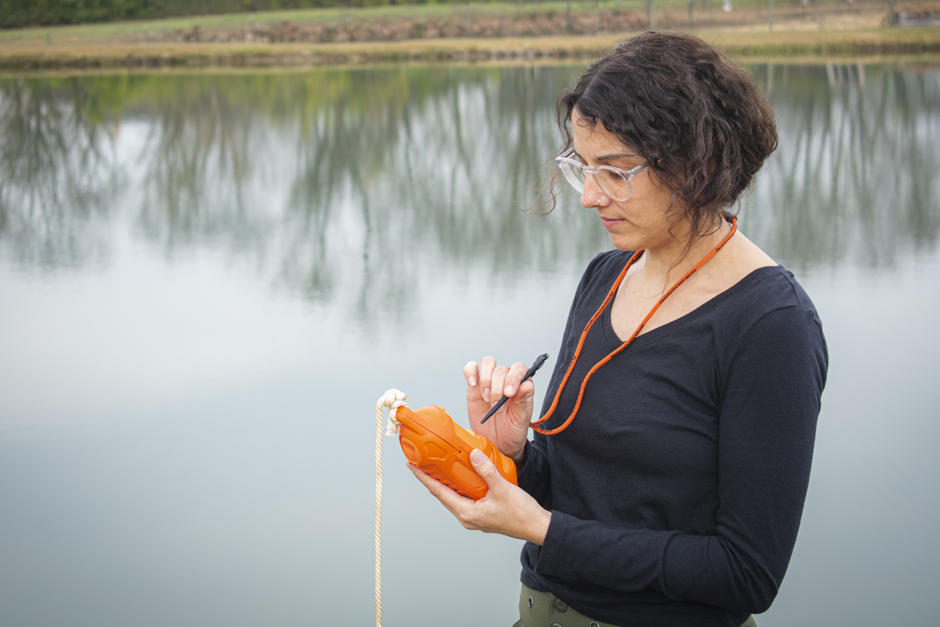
pixel 508 428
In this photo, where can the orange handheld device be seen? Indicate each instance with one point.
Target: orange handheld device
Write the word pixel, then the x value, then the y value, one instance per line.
pixel 433 442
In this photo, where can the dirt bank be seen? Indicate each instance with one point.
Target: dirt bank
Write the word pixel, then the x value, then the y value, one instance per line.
pixel 848 30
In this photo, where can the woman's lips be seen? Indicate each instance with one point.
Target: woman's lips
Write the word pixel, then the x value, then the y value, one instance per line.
pixel 609 222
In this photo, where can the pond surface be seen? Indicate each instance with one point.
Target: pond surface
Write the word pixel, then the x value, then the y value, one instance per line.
pixel 207 281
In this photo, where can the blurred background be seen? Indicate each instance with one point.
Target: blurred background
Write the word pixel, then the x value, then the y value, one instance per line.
pixel 208 278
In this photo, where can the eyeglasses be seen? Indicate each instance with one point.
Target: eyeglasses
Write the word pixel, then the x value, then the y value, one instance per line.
pixel 613 181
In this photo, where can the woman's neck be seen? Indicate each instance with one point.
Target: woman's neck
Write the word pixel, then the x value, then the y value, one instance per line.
pixel 665 264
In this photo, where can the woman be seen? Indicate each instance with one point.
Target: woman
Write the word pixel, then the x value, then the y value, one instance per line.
pixel 670 492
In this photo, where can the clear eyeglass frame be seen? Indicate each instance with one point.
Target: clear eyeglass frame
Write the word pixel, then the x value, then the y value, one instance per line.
pixel 612 181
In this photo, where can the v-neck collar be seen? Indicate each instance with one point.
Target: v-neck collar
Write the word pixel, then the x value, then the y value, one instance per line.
pixel 613 340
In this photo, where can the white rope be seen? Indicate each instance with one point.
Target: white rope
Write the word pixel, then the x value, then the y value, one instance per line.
pixel 393 399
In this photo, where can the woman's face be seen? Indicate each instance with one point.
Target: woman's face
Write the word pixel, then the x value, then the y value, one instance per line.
pixel 642 221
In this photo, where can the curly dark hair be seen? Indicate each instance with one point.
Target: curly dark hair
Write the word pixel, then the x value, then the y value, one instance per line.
pixel 699 120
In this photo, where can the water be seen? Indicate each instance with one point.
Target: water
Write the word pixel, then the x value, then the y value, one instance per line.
pixel 208 279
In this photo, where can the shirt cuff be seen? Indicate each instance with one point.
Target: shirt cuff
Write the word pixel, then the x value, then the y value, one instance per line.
pixel 550 554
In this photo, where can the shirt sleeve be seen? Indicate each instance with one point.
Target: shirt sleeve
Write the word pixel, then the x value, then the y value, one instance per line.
pixel 535 474
pixel 770 401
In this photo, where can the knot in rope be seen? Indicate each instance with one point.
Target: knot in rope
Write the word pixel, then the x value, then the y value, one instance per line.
pixel 393 399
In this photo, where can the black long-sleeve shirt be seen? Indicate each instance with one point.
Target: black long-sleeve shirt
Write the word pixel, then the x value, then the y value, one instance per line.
pixel 676 493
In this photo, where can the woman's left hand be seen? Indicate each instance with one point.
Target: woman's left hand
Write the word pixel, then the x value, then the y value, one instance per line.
pixel 505 509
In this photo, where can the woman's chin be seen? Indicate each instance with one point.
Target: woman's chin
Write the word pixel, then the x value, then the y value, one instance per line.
pixel 621 241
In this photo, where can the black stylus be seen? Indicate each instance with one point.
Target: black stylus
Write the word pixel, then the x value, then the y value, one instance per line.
pixel 528 375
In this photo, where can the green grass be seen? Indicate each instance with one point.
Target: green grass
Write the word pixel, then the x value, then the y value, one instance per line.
pixel 118 30
pixel 118 45
pixel 300 16
pixel 922 43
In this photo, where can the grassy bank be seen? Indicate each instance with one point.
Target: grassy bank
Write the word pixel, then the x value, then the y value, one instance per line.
pixel 121 30
pixel 430 33
pixel 743 45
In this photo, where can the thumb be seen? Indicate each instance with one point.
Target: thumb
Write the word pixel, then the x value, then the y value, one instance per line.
pixel 485 468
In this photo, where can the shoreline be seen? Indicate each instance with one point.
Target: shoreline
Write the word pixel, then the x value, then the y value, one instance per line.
pixel 930 61
pixel 918 44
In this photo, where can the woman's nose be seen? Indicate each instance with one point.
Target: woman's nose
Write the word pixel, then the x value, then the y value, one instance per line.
pixel 592 195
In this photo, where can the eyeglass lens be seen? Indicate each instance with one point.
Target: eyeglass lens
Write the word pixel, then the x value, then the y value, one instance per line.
pixel 611 182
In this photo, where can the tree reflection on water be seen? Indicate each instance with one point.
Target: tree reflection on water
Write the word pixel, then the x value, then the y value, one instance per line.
pixel 359 184
pixel 855 176
pixel 58 176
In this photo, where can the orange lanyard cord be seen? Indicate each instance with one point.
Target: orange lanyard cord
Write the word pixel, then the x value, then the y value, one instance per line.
pixel 610 297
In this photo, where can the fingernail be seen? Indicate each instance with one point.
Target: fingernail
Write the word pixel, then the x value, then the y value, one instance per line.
pixel 477 456
pixel 508 390
pixel 486 394
pixel 472 380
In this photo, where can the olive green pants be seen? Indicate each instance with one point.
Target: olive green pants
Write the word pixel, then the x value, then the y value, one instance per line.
pixel 544 609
